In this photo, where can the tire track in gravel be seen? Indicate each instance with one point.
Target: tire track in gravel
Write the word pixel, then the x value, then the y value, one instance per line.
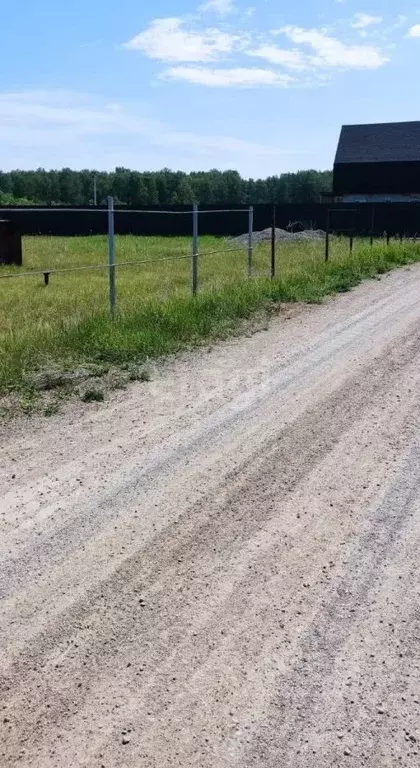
pixel 241 593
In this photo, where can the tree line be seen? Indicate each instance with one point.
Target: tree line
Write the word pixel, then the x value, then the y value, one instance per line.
pixel 134 188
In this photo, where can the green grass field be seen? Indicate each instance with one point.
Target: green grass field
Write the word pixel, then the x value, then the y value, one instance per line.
pixel 67 324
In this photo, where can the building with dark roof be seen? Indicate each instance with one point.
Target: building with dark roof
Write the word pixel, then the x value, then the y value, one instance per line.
pixel 378 162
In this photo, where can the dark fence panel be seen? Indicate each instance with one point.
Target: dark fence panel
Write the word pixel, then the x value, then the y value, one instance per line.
pixel 10 244
pixel 394 218
pixel 376 178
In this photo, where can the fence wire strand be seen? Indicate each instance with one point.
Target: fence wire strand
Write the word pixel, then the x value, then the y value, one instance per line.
pixel 135 263
pixel 28 209
pixel 113 264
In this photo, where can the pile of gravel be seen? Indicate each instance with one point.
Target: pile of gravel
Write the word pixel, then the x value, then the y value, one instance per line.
pixel 281 236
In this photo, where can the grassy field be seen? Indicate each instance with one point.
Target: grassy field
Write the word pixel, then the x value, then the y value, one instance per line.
pixel 67 324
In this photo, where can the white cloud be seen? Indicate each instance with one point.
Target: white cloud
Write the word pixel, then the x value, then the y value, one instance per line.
pixel 168 40
pixel 290 59
pixel 62 110
pixel 180 42
pixel 221 7
pixel 414 31
pixel 331 52
pixel 59 128
pixel 365 20
pixel 224 78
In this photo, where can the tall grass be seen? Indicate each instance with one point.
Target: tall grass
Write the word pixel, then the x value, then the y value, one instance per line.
pixel 67 323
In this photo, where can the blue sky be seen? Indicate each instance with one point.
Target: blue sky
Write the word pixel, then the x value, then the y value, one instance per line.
pixel 249 84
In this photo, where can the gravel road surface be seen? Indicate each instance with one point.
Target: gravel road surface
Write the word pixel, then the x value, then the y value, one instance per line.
pixel 220 568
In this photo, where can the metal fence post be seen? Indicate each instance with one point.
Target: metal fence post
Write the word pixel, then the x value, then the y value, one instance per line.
pixel 372 226
pixel 351 244
pixel 327 236
pixel 273 244
pixel 250 233
pixel 195 251
pixel 111 255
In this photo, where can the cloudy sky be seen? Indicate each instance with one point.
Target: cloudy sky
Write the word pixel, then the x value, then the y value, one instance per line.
pixel 256 85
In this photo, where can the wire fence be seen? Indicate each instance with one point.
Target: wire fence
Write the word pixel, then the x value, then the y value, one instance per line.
pixel 112 264
pixel 195 254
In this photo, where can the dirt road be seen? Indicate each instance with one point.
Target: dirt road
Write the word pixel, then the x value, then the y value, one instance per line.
pixel 220 568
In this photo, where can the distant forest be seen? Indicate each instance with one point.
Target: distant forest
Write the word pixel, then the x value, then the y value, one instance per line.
pixel 132 188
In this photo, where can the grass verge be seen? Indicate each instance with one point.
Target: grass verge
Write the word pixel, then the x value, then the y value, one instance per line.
pixel 156 326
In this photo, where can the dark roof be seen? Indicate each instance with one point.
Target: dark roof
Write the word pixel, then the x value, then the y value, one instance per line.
pixel 380 143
